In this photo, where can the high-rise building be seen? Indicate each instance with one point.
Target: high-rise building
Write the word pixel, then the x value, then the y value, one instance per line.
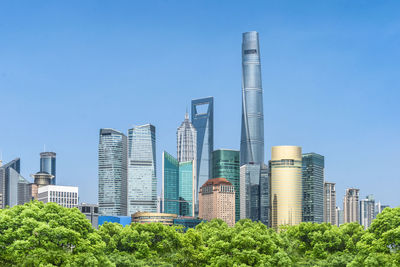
pixel 351 212
pixel 48 164
pixel 286 186
pixel 330 203
pixel 186 137
pixel 367 211
pixel 339 216
pixel 379 208
pixel 265 205
pixel 178 186
pixel 112 173
pixel 142 180
pixel 226 164
pixel 250 191
pixel 66 196
pixel 313 187
pixel 252 136
pixel 14 189
pixel 217 200
pixel 203 121
pixel 91 212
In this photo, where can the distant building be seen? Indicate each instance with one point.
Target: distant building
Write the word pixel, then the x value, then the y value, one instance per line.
pixel 203 122
pixel 66 196
pixel 186 141
pixel 379 208
pixel 142 179
pixel 313 187
pixel 286 186
pixel 250 191
pixel 330 203
pixel 187 222
pixel 351 205
pixel 48 164
pixel 153 217
pixel 178 186
pixel 226 164
pixel 367 211
pixel 265 204
pixel 92 213
pixel 217 200
pixel 112 173
pixel 42 178
pixel 339 216
pixel 123 220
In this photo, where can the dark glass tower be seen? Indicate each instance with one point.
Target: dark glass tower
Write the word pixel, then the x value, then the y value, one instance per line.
pixel 252 139
pixel 203 121
pixel 48 164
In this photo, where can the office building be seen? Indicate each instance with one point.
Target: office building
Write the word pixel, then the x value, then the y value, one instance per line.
pixel 250 191
pixel 66 196
pixel 153 217
pixel 313 187
pixel 203 121
pixel 367 211
pixel 42 178
pixel 286 186
pixel 122 220
pixel 329 203
pixel 142 179
pixel 339 216
pixel 48 164
pixel 252 136
pixel 186 137
pixel 265 205
pixel 187 222
pixel 226 164
pixel 379 208
pixel 14 189
pixel 217 200
pixel 91 212
pixel 112 173
pixel 351 206
pixel 178 186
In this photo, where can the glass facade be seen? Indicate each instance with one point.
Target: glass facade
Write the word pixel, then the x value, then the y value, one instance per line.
pixel 252 136
pixel 203 121
pixel 226 164
pixel 367 211
pixel 186 140
pixel 142 180
pixel 264 194
pixel 250 191
pixel 178 186
pixel 313 187
pixel 48 164
pixel 112 173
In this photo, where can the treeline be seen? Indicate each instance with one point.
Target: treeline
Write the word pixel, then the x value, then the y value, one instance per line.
pixel 37 234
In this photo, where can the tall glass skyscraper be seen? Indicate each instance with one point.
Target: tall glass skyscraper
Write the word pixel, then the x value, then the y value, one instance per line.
pixel 112 173
pixel 203 121
pixel 186 137
pixel 313 187
pixel 178 186
pixel 250 191
pixel 226 164
pixel 142 180
pixel 48 164
pixel 264 195
pixel 252 137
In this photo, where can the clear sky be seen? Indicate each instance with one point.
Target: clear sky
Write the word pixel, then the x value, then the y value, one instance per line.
pixel 330 71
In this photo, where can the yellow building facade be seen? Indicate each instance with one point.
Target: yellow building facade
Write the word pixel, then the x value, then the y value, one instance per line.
pixel 286 186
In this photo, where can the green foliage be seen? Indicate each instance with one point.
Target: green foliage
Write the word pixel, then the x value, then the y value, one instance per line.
pixel 37 234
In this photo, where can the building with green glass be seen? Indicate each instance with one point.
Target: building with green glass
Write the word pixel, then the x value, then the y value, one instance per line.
pixel 178 186
pixel 226 164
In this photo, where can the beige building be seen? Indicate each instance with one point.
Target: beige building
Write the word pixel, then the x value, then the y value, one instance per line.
pixel 330 203
pixel 153 217
pixel 217 200
pixel 351 205
pixel 286 186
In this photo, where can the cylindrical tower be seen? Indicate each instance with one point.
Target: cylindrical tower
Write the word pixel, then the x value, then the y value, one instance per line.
pixel 48 164
pixel 252 136
pixel 286 186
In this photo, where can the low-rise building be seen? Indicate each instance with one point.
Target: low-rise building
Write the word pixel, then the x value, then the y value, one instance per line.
pixel 123 220
pixel 66 196
pixel 92 213
pixel 154 217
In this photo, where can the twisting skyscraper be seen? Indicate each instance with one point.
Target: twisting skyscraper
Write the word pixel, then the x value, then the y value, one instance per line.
pixel 186 136
pixel 252 140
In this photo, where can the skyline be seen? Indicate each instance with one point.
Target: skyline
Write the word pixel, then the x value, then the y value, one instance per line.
pixel 46 106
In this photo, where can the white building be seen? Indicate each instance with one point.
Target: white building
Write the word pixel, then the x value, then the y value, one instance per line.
pixel 66 196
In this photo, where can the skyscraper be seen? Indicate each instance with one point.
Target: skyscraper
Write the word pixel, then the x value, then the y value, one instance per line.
pixel 351 212
pixel 265 205
pixel 48 164
pixel 142 180
pixel 367 211
pixel 286 186
pixel 186 137
pixel 339 216
pixel 203 121
pixel 178 186
pixel 252 136
pixel 250 191
pixel 330 203
pixel 226 164
pixel 313 187
pixel 112 173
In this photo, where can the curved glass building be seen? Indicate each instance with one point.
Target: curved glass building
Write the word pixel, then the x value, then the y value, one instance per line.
pixel 252 137
pixel 48 164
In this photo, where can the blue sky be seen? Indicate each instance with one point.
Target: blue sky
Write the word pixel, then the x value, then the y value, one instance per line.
pixel 330 74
